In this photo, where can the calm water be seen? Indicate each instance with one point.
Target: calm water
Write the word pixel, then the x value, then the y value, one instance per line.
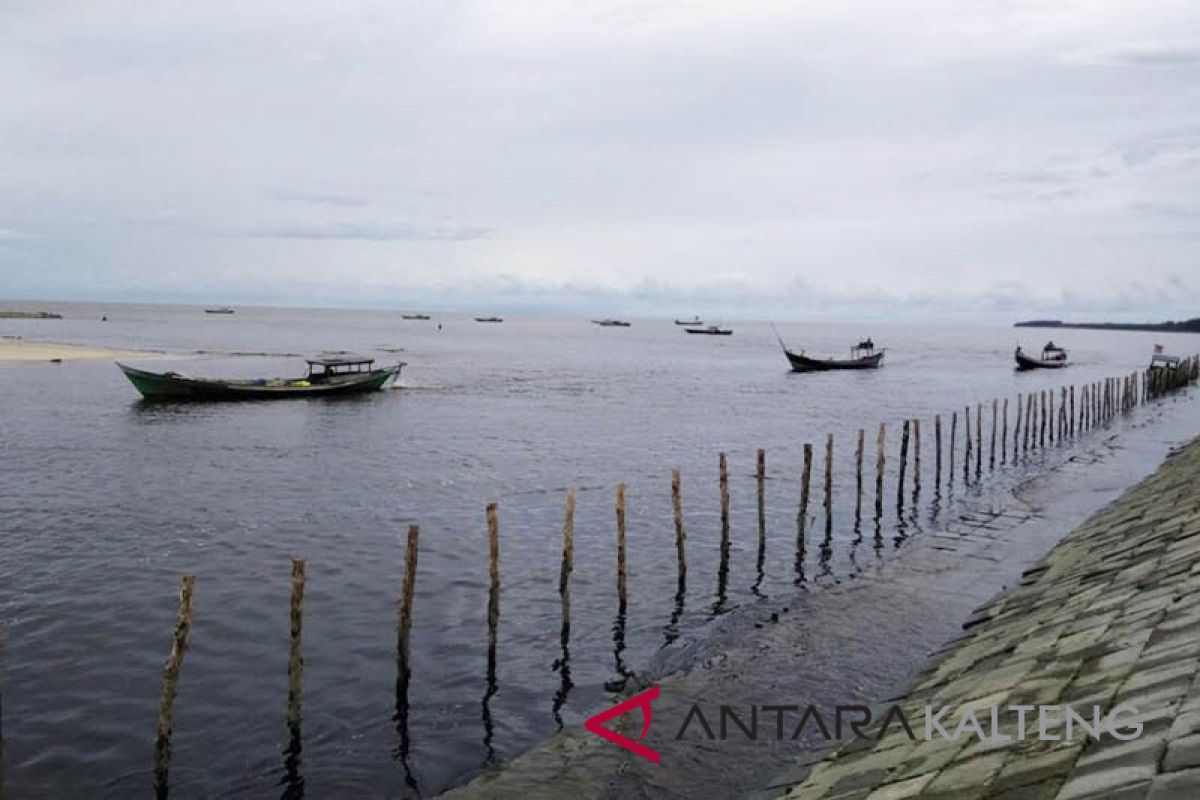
pixel 106 501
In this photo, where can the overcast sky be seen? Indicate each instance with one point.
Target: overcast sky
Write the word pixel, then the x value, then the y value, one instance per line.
pixel 912 160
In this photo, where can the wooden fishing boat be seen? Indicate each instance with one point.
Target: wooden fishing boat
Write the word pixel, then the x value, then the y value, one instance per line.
pixel 694 321
pixel 711 330
pixel 489 319
pixel 218 311
pixel 327 376
pixel 1053 357
pixel 414 316
pixel 863 355
pixel 611 323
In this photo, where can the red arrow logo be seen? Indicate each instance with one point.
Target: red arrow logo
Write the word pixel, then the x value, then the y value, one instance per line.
pixel 595 724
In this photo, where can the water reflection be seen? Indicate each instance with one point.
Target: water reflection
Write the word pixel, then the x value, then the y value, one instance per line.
pixel 292 780
pixel 718 606
pixel 672 628
pixel 801 547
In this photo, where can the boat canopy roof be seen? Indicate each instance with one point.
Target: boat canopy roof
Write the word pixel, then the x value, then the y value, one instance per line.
pixel 339 360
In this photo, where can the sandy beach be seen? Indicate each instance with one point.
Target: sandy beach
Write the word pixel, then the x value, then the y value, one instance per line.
pixel 26 350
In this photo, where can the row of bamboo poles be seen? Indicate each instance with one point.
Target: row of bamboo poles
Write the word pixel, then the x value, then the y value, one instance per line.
pixel 1039 421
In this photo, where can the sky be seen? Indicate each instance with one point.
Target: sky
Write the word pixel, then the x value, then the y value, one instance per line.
pixel 916 161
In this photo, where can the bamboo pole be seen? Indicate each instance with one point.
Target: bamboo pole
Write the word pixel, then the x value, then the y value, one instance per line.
pixel 880 447
pixel 493 524
pixel 295 653
pixel 1025 431
pixel 680 534
pixel 1042 421
pixel 937 446
pixel 967 451
pixel 903 465
pixel 408 588
pixel 723 465
pixel 916 458
pixel 992 448
pixel 1017 431
pixel 858 474
pixel 1050 419
pixel 1004 435
pixel 1071 416
pixel 953 447
pixel 805 483
pixel 978 440
pixel 170 684
pixel 621 564
pixel 568 563
pixel 828 486
pixel 761 478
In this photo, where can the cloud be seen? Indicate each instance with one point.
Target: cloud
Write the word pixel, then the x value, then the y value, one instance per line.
pixel 371 233
pixel 1165 53
pixel 894 157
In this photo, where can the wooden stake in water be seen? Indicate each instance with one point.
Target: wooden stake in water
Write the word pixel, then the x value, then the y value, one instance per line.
pixel 1025 431
pixel 903 465
pixel 992 449
pixel 967 449
pixel 724 486
pixel 978 440
pixel 805 480
pixel 880 447
pixel 493 524
pixel 170 685
pixel 295 652
pixel 1050 419
pixel 1004 435
pixel 858 476
pixel 1042 422
pixel 1016 440
pixel 916 458
pixel 937 446
pixel 761 476
pixel 621 566
pixel 568 563
pixel 680 536
pixel 1071 416
pixel 828 486
pixel 953 446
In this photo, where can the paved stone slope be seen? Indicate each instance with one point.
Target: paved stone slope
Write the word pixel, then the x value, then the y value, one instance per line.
pixel 1112 616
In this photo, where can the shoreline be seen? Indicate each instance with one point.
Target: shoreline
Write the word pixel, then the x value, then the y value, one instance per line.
pixel 1104 622
pixel 25 351
pixel 852 642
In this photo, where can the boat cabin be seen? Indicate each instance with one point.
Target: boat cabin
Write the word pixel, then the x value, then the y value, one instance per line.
pixel 326 367
pixel 1160 361
pixel 1052 352
pixel 863 349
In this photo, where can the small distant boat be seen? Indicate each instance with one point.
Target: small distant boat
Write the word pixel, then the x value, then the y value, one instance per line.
pixel 414 316
pixel 1162 361
pixel 489 319
pixel 694 321
pixel 218 311
pixel 711 330
pixel 327 376
pixel 611 323
pixel 1053 357
pixel 863 355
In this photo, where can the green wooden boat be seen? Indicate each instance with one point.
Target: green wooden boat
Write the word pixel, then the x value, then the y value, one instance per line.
pixel 331 376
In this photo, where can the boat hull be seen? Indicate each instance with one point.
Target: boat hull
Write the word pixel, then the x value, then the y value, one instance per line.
pixel 707 332
pixel 1024 362
pixel 802 363
pixel 166 386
